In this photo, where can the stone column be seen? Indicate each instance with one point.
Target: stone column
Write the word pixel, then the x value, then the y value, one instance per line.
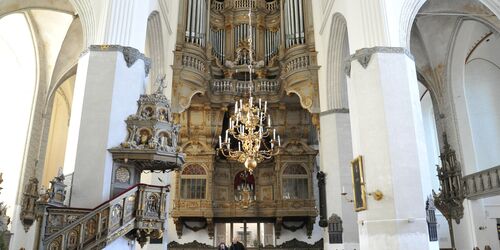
pixel 387 130
pixel 109 81
pixel 336 155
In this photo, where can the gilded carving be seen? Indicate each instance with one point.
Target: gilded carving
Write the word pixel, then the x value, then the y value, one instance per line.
pixel 152 138
pixel 204 98
pixel 28 209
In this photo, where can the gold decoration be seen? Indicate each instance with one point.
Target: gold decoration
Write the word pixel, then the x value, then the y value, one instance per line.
pixel 377 195
pixel 247 123
pixel 358 184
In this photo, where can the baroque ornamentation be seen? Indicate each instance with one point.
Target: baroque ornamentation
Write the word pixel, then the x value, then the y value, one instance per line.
pixel 363 56
pixel 452 191
pixel 130 54
pixel 207 80
pixel 56 194
pixel 335 229
pixel 193 244
pixel 152 138
pixel 28 208
pixel 292 227
pixel 118 217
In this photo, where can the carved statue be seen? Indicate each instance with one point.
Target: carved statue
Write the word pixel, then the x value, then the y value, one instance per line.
pixel 163 115
pixel 30 196
pixel 144 137
pixel 152 204
pixel 150 130
pixel 160 81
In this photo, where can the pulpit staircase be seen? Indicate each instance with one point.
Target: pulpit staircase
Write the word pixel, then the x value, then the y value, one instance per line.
pixel 138 213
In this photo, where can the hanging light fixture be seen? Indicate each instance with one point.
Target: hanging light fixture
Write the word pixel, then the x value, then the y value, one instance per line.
pixel 250 125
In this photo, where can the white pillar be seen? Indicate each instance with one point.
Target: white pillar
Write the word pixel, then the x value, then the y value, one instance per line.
pixel 387 131
pixel 336 154
pixel 106 92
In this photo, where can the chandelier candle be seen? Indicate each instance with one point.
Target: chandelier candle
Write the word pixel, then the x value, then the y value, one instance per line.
pixel 247 125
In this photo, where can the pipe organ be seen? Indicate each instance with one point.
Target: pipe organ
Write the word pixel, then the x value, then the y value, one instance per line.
pixel 196 22
pixel 271 44
pixel 241 32
pixel 294 18
pixel 210 73
pixel 218 39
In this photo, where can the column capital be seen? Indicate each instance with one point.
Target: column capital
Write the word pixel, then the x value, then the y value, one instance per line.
pixel 364 55
pixel 130 54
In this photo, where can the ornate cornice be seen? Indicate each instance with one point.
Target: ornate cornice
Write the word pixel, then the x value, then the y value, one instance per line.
pixel 363 56
pixel 130 54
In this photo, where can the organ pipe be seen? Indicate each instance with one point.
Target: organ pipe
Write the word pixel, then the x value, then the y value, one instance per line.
pixel 294 18
pixel 218 38
pixel 196 22
pixel 301 22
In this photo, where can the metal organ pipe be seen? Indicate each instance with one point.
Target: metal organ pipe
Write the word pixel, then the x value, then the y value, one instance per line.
pixel 196 19
pixel 200 21
pixel 196 22
pixel 218 41
pixel 289 22
pixel 204 14
pixel 189 17
pixel 294 21
pixel 301 22
pixel 294 26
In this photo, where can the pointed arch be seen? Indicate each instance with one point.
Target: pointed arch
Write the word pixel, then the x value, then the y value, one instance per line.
pixel 338 51
pixel 155 48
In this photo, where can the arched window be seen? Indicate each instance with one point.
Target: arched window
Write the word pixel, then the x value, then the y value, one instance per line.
pixel 193 182
pixel 295 182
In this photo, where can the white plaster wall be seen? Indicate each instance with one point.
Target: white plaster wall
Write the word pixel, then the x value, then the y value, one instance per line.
pixel 20 238
pixel 121 243
pixel 158 179
pixel 301 235
pixel 386 126
pixel 106 92
pixel 58 131
pixel 18 71
pixel 431 140
pixel 443 231
pixel 76 114
pixel 482 90
pixel 336 154
pixel 429 174
pixel 467 232
pixel 169 12
pixel 465 37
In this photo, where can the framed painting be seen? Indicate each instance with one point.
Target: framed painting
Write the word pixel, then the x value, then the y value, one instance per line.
pixel 358 184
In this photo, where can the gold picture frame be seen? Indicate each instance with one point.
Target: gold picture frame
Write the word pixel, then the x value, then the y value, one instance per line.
pixel 358 184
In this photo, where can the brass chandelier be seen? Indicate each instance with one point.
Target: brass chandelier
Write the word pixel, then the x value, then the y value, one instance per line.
pixel 248 125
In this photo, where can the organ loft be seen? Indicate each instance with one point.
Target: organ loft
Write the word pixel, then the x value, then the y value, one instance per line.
pixel 215 65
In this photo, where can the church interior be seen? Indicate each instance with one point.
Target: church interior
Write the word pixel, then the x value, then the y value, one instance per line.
pixel 250 124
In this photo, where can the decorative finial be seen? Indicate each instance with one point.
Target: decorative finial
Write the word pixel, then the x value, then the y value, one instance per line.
pixel 445 141
pixel 60 172
pixel 160 81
